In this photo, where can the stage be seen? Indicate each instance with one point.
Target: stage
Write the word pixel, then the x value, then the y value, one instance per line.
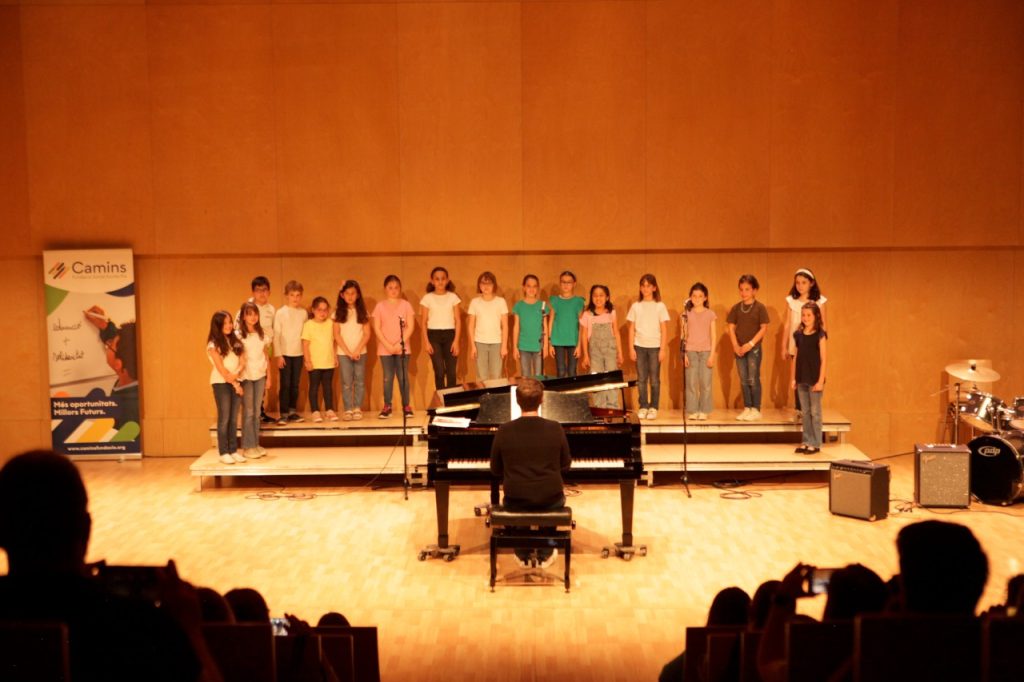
pixel 312 544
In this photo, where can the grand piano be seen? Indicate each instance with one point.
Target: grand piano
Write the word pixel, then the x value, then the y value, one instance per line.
pixel 605 445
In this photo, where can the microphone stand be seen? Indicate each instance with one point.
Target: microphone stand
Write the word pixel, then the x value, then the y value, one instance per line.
pixel 686 435
pixel 403 383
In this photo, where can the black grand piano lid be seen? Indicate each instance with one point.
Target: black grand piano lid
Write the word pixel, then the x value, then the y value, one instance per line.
pixel 565 408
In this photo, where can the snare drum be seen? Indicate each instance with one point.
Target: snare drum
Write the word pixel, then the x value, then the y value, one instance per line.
pixel 997 475
pixel 981 410
pixel 1017 419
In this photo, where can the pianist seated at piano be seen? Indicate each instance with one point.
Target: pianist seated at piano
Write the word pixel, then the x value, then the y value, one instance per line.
pixel 529 455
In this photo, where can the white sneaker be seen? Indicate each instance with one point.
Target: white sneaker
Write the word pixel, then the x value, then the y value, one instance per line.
pixel 316 417
pixel 332 416
pixel 520 563
pixel 693 417
pixel 253 453
pixel 346 416
pixel 703 417
pixel 226 458
pixel 652 413
pixel 642 413
pixel 755 414
pixel 262 450
pixel 357 414
pixel 550 560
pixel 742 416
pixel 238 457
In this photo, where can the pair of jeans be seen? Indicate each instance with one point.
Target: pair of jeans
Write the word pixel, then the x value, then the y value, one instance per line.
pixel 749 368
pixel 531 363
pixel 394 366
pixel 288 393
pixel 441 341
pixel 252 400
pixel 698 382
pixel 811 414
pixel 488 361
pixel 353 381
pixel 648 374
pixel 318 378
pixel 602 351
pixel 227 417
pixel 565 361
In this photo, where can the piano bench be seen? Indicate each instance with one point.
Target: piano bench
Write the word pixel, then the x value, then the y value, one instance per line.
pixel 531 530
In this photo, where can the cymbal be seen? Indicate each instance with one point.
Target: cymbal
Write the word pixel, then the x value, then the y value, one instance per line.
pixel 969 371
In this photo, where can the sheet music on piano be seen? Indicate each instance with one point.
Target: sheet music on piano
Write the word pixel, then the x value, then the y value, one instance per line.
pixel 452 422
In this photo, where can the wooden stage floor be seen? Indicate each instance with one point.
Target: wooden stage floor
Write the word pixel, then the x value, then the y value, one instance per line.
pixel 314 544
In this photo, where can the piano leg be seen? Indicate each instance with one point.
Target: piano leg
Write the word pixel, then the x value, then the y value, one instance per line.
pixel 625 549
pixel 441 549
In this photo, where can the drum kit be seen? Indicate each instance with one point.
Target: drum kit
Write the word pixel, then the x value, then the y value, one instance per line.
pixel 997 473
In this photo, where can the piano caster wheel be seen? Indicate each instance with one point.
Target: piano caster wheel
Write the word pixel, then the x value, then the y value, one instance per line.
pixel 422 556
pixel 449 558
pixel 643 550
pixel 605 553
pixel 627 556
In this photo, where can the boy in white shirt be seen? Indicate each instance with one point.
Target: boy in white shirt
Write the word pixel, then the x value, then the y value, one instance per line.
pixel 288 322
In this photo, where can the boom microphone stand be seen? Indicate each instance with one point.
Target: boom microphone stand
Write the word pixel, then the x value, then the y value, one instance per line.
pixel 686 437
pixel 403 387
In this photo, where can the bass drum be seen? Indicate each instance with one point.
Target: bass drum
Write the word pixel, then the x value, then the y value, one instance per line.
pixel 996 471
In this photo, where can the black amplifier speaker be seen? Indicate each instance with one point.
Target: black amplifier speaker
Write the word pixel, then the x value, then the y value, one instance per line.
pixel 942 475
pixel 859 489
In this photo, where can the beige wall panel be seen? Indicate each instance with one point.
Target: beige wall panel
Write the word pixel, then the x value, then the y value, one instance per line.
pixel 153 438
pixel 189 437
pixel 213 131
pixel 24 352
pixel 155 329
pixel 870 431
pixel 935 319
pixel 14 204
pixel 461 120
pixel 958 123
pixel 708 123
pixel 907 428
pixel 20 435
pixel 832 122
pixel 337 127
pixel 583 125
pixel 87 132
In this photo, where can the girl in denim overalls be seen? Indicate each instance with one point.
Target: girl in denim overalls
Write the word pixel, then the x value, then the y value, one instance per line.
pixel 599 344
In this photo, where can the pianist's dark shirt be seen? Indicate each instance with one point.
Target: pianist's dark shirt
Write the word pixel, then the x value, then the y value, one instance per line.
pixel 530 453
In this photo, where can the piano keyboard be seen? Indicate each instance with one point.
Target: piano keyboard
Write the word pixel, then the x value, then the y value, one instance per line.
pixel 588 463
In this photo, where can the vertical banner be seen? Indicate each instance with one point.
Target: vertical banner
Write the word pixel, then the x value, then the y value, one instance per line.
pixel 90 328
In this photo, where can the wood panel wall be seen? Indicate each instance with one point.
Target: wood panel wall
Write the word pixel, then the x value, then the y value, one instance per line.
pixel 878 143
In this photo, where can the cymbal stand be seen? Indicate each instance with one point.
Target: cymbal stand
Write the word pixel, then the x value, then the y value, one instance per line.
pixel 403 385
pixel 956 416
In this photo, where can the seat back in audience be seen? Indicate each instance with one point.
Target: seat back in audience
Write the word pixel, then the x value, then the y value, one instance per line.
pixel 33 652
pixel 722 657
pixel 1002 648
pixel 749 643
pixel 297 658
pixel 364 643
pixel 339 650
pixel 897 648
pixel 815 650
pixel 695 667
pixel 243 652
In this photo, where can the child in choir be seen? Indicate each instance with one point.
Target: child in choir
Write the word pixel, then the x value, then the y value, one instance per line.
pixel 227 355
pixel 808 373
pixel 319 358
pixel 648 334
pixel 599 341
pixel 748 323
pixel 351 336
pixel 261 297
pixel 529 329
pixel 255 380
pixel 288 323
pixel 488 328
pixel 441 326
pixel 804 289
pixel 393 324
pixel 564 326
pixel 699 340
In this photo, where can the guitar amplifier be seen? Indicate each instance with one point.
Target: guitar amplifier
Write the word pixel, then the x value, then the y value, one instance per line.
pixel 859 489
pixel 942 475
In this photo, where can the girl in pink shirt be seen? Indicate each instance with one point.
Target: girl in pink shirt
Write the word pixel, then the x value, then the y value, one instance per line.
pixel 393 323
pixel 697 330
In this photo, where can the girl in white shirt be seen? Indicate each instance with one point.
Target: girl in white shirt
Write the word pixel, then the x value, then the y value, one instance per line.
pixel 441 322
pixel 255 380
pixel 648 334
pixel 488 328
pixel 351 335
pixel 226 354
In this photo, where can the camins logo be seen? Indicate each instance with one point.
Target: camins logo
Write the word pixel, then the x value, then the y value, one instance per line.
pixel 58 270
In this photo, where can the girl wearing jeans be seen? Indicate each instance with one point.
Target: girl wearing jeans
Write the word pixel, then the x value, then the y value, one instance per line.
pixel 748 323
pixel 351 335
pixel 808 374
pixel 648 327
pixel 698 335
pixel 227 356
pixel 393 324
pixel 255 380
